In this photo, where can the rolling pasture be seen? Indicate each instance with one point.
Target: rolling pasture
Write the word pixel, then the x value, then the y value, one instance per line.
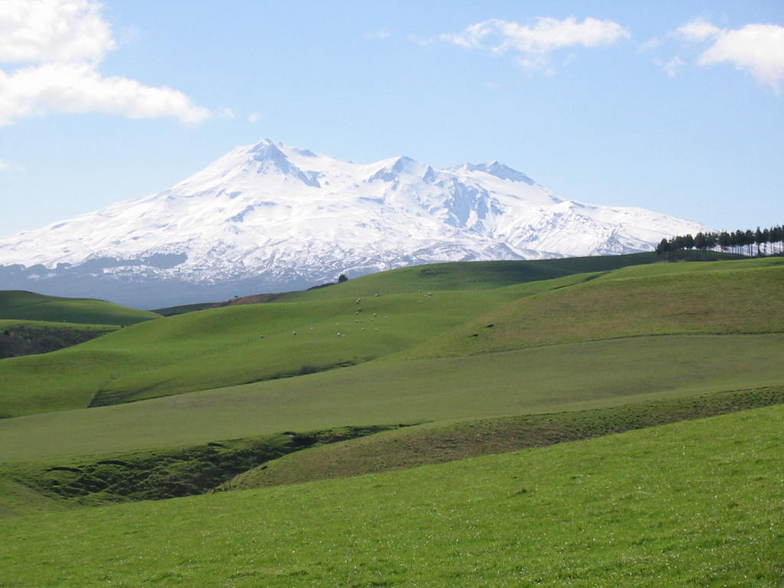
pixel 18 304
pixel 250 343
pixel 601 373
pixel 236 345
pixel 301 406
pixel 698 502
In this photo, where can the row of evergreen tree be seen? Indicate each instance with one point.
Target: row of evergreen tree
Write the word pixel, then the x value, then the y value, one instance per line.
pixel 760 242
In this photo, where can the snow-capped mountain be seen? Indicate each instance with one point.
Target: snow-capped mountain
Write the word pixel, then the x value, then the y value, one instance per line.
pixel 271 217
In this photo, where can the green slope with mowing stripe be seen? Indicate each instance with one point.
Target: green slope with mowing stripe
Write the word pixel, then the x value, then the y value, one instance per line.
pixel 239 344
pixel 695 503
pixel 546 379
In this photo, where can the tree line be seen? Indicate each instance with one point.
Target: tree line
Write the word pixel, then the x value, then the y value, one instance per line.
pixel 760 242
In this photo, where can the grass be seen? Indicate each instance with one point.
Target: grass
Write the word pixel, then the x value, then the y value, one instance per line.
pixel 733 299
pixel 52 484
pixel 237 345
pixel 450 441
pixel 249 343
pixel 18 304
pixel 600 373
pixel 692 503
pixel 467 276
pixel 480 358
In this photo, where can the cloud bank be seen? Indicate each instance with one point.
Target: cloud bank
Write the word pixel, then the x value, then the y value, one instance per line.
pixel 533 44
pixel 755 48
pixel 56 47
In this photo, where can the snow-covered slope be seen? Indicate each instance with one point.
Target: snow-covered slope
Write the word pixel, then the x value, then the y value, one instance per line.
pixel 280 217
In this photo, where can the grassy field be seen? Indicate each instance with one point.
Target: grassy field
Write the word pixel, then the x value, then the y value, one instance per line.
pixel 697 503
pixel 600 373
pixel 731 299
pixel 472 275
pixel 239 344
pixel 445 441
pixel 17 304
pixel 458 361
pixel 57 484
pixel 52 483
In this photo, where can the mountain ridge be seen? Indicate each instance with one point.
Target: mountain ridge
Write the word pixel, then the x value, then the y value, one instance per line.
pixel 270 216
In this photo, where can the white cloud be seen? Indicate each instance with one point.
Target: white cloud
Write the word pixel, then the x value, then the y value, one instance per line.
pixel 535 42
pixel 57 46
pixel 33 31
pixel 227 113
pixel 698 30
pixel 78 88
pixel 673 66
pixel 5 165
pixel 254 117
pixel 379 35
pixel 650 45
pixel 755 48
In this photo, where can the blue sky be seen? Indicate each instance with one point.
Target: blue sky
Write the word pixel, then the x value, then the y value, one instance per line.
pixel 673 106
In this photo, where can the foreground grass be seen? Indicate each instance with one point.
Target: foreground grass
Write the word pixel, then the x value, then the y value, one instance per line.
pixel 449 441
pixel 52 484
pixel 693 503
pixel 546 379
pixel 18 304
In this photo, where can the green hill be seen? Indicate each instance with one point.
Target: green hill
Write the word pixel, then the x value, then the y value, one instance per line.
pixel 438 364
pixel 445 441
pixel 468 276
pixel 249 343
pixel 18 304
pixel 691 503
pixel 734 298
pixel 239 344
pixel 546 379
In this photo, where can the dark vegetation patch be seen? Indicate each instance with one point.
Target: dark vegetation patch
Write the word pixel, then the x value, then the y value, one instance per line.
pixel 236 301
pixel 20 340
pixel 184 308
pixel 438 443
pixel 253 299
pixel 154 475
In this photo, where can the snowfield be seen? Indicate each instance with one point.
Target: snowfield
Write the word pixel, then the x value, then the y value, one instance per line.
pixel 282 217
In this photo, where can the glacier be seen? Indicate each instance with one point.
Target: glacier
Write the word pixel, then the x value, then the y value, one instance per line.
pixel 270 217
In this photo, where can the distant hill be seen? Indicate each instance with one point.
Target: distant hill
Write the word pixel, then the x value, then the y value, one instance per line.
pixel 401 336
pixel 23 305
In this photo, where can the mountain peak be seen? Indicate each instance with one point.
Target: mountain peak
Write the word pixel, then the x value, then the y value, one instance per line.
pixel 266 158
pixel 270 217
pixel 500 170
pixel 395 167
pixel 266 149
